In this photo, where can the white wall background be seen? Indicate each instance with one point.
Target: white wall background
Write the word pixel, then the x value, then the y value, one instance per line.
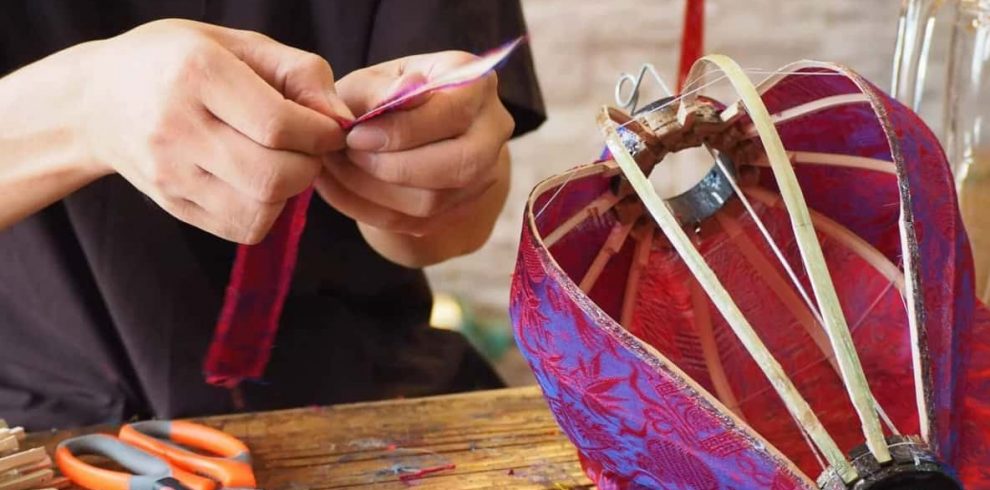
pixel 580 47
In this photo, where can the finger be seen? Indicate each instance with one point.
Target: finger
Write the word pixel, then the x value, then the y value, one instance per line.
pixel 364 89
pixel 247 219
pixel 264 174
pixel 416 202
pixel 192 214
pixel 362 210
pixel 235 94
pixel 446 114
pixel 300 76
pixel 447 164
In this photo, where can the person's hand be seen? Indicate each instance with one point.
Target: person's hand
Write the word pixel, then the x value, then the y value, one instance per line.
pixel 218 126
pixel 429 166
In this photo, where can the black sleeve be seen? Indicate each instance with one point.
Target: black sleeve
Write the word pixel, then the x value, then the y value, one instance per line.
pixel 403 28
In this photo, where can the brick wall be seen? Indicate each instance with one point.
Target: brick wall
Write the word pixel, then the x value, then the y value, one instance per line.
pixel 581 46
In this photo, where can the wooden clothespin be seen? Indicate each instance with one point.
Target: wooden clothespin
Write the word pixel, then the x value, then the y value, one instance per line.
pixel 24 470
pixel 30 481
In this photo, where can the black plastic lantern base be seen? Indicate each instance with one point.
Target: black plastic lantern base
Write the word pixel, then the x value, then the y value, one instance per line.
pixel 913 467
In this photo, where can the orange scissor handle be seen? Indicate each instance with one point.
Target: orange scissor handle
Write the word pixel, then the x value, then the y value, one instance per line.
pixel 149 472
pixel 231 466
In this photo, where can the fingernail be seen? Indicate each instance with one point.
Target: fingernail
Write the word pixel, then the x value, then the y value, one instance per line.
pixel 367 138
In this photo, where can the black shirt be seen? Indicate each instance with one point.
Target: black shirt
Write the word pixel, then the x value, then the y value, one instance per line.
pixel 108 304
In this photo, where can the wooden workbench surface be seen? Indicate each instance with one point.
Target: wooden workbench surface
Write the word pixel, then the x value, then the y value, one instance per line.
pixel 494 439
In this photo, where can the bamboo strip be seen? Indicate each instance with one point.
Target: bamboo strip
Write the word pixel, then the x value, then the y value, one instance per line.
pixel 616 238
pixel 595 208
pixel 46 462
pixel 641 258
pixel 808 108
pixel 821 282
pixel 832 160
pixel 913 295
pixel 709 349
pixel 665 219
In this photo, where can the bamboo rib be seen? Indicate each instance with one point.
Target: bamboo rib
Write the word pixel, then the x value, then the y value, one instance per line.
pixel 595 208
pixel 796 404
pixel 641 257
pixel 821 282
pixel 616 238
pixel 805 109
pixel 832 160
pixel 709 349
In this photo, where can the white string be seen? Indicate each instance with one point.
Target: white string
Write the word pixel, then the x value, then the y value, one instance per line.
pixel 807 440
pixel 723 77
pixel 554 196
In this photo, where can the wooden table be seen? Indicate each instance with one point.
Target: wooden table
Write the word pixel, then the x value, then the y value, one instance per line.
pixel 494 439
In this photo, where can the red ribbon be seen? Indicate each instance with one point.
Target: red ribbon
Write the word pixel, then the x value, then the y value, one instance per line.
pixel 259 283
pixel 692 39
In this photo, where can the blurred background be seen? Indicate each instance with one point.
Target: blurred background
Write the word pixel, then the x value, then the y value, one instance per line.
pixel 581 47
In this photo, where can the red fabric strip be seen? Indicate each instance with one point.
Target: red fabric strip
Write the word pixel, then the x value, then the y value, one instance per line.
pixel 259 283
pixel 692 39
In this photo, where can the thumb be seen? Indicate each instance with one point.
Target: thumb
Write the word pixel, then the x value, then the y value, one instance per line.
pixel 364 90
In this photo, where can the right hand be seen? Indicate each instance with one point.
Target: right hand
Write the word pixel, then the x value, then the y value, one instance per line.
pixel 218 126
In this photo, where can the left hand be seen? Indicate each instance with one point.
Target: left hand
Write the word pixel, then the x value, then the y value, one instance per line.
pixel 427 166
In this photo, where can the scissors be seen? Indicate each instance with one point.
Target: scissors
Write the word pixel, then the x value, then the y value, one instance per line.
pixel 158 456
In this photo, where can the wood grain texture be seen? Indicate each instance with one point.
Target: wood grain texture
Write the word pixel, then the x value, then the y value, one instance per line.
pixel 496 439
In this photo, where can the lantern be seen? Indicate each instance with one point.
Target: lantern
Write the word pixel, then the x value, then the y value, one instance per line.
pixel 803 317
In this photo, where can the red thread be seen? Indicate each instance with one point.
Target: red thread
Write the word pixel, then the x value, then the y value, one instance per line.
pixel 407 477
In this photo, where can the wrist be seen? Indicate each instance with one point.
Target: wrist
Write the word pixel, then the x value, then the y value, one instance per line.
pixel 88 107
pixel 43 150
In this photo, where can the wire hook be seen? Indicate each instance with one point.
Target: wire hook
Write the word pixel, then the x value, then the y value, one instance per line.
pixel 629 103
